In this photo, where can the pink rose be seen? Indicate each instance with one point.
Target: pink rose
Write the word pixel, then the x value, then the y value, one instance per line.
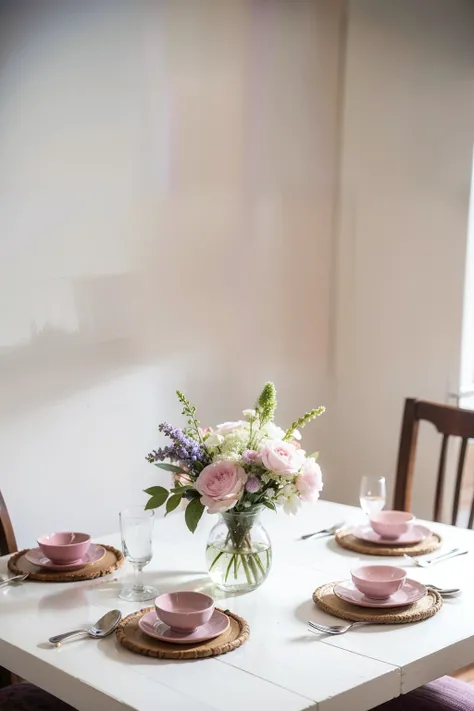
pixel 221 485
pixel 282 457
pixel 309 481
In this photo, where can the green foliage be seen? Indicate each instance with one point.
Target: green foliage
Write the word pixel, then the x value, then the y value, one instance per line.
pixel 189 411
pixel 173 503
pixel 192 516
pixel 269 504
pixel 266 404
pixel 169 467
pixel 302 421
pixel 158 497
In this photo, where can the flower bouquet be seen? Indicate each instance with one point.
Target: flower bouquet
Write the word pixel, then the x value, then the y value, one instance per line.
pixel 236 469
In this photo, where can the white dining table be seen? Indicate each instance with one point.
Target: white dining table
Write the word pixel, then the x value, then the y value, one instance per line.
pixel 282 665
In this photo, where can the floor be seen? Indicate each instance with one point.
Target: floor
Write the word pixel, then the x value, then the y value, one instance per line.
pixel 466 674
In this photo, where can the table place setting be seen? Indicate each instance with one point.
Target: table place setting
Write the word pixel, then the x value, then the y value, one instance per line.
pixel 182 625
pixel 65 556
pixel 379 594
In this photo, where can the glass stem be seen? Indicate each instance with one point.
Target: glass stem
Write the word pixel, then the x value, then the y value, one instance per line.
pixel 138 578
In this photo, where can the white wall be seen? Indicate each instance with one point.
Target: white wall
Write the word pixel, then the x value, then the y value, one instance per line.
pixel 166 191
pixel 407 148
pixel 167 206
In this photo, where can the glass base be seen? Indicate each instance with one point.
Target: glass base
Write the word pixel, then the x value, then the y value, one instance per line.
pixel 139 594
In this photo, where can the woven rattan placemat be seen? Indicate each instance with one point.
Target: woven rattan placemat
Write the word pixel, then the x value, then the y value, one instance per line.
pixel 346 540
pixel 428 606
pixel 130 636
pixel 112 560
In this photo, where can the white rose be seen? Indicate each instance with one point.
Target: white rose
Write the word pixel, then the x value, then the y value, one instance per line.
pixel 214 440
pixel 272 431
pixel 228 427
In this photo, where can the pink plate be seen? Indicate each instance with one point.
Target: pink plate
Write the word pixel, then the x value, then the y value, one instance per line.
pixel 407 595
pixel 416 534
pixel 153 627
pixel 37 557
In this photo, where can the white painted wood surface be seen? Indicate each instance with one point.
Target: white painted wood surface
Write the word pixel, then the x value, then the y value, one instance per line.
pixel 282 664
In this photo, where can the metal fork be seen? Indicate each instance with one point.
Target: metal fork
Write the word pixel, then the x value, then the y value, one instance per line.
pixel 336 629
pixel 432 561
pixel 13 581
pixel 323 532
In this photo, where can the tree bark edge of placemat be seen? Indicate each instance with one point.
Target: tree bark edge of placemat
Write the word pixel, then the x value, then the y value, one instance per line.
pixel 347 540
pixel 106 565
pixel 425 608
pixel 132 638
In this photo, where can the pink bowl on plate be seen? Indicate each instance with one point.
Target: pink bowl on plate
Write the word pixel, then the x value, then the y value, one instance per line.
pixel 64 547
pixel 184 610
pixel 391 524
pixel 378 581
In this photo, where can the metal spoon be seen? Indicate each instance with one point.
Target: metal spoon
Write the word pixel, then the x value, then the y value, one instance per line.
pixel 102 628
pixel 444 592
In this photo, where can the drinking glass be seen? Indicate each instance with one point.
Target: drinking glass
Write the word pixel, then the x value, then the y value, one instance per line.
pixel 373 493
pixel 136 530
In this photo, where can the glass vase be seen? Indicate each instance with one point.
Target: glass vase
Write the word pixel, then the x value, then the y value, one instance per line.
pixel 239 551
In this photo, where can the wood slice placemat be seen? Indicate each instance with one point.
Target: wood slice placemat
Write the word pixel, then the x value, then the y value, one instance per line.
pixel 428 606
pixel 346 540
pixel 130 636
pixel 112 560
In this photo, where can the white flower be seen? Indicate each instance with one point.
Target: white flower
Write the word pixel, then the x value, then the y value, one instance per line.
pixel 296 434
pixel 227 456
pixel 270 493
pixel 227 427
pixel 214 440
pixel 272 431
pixel 249 415
pixel 289 499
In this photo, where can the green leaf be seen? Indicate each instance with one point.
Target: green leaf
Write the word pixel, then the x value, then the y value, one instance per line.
pixel 181 489
pixel 169 467
pixel 158 497
pixel 269 504
pixel 154 504
pixel 173 503
pixel 314 456
pixel 157 491
pixel 193 514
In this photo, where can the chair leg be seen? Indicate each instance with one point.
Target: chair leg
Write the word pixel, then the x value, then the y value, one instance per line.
pixel 6 677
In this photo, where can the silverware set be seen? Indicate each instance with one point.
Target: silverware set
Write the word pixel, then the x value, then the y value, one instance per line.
pixel 437 559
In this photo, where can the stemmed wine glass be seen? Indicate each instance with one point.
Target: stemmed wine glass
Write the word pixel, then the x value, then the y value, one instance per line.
pixel 136 529
pixel 373 494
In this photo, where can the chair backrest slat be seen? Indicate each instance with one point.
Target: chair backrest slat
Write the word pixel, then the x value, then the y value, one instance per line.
pixel 438 507
pixel 459 478
pixel 449 422
pixel 7 537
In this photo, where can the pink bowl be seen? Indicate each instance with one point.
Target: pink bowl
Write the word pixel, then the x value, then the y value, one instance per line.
pixel 64 547
pixel 391 524
pixel 378 581
pixel 185 610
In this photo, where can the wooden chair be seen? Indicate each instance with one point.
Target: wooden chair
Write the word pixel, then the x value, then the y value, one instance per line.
pixel 7 537
pixel 450 422
pixel 22 696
